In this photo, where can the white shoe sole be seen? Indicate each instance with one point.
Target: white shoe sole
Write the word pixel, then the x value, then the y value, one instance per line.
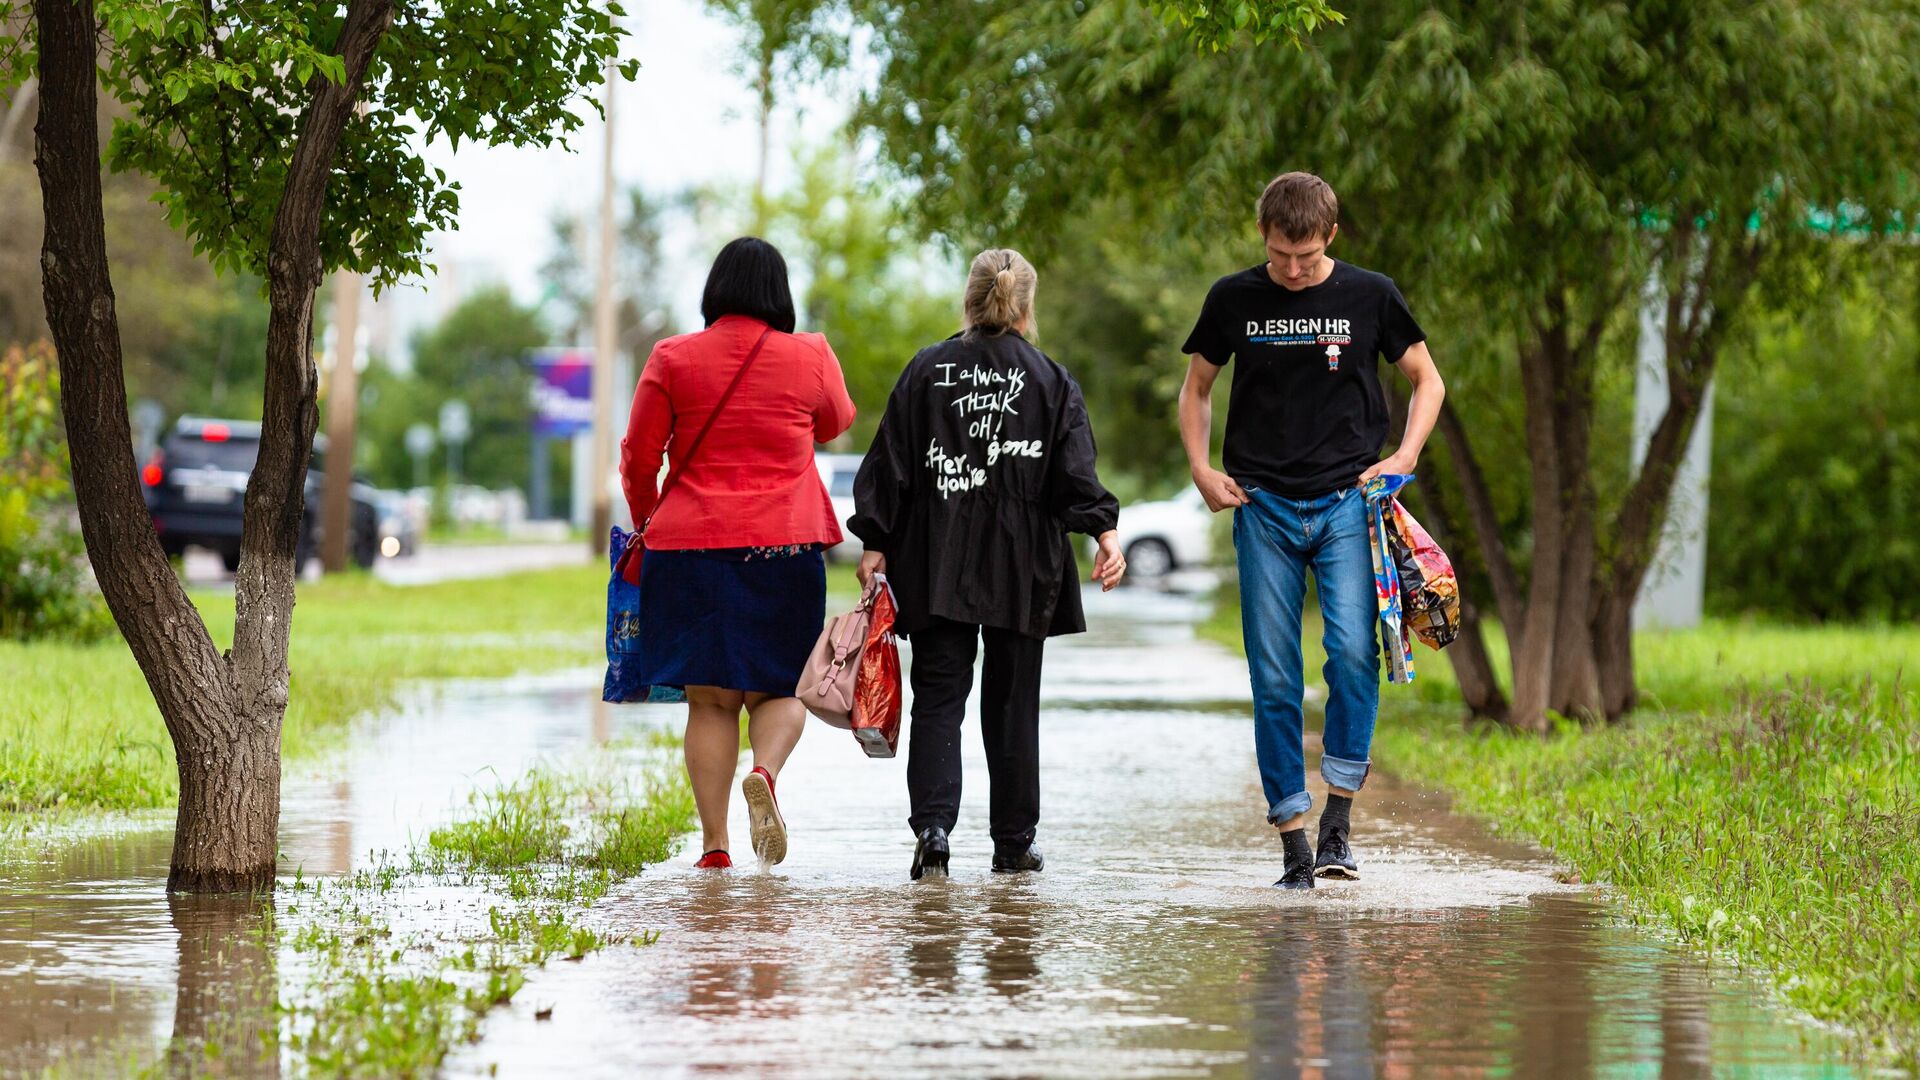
pixel 1337 872
pixel 763 814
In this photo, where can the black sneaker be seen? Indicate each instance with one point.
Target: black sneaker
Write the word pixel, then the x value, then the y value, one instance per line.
pixel 1335 858
pixel 930 854
pixel 1014 862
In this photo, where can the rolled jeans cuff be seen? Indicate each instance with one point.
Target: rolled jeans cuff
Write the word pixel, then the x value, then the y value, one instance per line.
pixel 1290 807
pixel 1343 774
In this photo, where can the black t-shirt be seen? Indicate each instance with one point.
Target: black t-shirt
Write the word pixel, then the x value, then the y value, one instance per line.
pixel 1306 414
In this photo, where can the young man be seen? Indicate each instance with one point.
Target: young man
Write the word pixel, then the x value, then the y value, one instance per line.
pixel 1306 419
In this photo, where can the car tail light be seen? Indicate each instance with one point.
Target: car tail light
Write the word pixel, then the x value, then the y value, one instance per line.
pixel 155 470
pixel 216 433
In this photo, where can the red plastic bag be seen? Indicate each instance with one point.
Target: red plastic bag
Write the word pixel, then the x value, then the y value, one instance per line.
pixel 877 695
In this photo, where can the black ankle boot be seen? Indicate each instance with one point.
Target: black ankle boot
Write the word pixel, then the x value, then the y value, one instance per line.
pixel 1017 860
pixel 1298 867
pixel 930 854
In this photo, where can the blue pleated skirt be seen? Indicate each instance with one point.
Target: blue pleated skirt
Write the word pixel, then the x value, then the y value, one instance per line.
pixel 738 618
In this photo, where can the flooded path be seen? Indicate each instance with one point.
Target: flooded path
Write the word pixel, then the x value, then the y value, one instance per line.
pixel 1153 944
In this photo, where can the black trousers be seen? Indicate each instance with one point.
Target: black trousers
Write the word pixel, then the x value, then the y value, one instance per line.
pixel 942 677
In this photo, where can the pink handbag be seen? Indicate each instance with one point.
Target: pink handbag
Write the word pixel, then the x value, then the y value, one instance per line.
pixel 826 685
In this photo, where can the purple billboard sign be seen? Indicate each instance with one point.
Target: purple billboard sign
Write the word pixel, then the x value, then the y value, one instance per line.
pixel 562 392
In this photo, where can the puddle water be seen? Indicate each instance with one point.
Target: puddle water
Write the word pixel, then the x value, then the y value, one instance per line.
pixel 1151 946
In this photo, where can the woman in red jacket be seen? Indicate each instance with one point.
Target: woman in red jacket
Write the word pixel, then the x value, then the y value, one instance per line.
pixel 733 581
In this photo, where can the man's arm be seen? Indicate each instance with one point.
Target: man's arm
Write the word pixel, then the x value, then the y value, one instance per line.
pixel 1423 410
pixel 1196 434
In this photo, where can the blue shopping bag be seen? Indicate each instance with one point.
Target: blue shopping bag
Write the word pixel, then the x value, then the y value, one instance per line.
pixel 624 627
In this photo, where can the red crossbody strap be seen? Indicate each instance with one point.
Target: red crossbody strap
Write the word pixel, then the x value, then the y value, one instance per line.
pixel 681 460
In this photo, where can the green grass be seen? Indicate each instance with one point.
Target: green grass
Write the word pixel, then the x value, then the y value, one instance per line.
pixel 1782 830
pixel 79 730
pixel 1762 804
pixel 385 998
pixel 1678 669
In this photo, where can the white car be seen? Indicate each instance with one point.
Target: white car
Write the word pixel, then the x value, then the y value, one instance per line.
pixel 1171 534
pixel 837 472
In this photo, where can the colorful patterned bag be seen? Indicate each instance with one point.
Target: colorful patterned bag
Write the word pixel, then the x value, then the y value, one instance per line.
pixel 624 628
pixel 1386 576
pixel 1413 579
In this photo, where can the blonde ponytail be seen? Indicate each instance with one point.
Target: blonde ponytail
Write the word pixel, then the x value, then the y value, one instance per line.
pixel 999 293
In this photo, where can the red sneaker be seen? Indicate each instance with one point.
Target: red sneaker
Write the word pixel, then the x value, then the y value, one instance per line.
pixel 763 811
pixel 714 860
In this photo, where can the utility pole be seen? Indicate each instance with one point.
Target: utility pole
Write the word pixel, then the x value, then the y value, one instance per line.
pixel 603 342
pixel 343 396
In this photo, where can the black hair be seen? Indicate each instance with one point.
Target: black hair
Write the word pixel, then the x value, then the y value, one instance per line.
pixel 749 278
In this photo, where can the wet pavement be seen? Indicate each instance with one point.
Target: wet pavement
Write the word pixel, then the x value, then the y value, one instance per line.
pixel 1153 944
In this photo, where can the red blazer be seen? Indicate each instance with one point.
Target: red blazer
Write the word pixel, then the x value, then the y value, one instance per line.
pixel 754 482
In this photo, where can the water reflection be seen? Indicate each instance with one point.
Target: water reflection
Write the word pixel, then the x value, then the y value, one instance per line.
pixel 1311 1009
pixel 1151 946
pixel 224 1023
pixel 1011 936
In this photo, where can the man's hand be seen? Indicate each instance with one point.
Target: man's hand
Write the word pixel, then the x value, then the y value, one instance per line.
pixel 1218 489
pixel 871 563
pixel 1399 462
pixel 1109 565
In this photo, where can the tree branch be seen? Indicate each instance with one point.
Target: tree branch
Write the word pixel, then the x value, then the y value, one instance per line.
pixel 1483 519
pixel 275 503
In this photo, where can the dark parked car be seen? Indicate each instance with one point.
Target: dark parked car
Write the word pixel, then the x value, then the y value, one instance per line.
pixel 196 482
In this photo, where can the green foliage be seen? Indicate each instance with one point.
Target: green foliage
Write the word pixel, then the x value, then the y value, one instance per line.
pixel 214 93
pixel 1216 26
pixel 1522 169
pixel 477 353
pixel 870 286
pixel 1815 492
pixel 1488 155
pixel 1779 830
pixel 192 339
pixel 44 590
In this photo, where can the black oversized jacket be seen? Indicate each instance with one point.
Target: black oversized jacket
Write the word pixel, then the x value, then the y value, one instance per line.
pixel 983 463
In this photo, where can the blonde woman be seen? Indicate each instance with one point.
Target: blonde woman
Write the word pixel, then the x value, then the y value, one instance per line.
pixel 983 464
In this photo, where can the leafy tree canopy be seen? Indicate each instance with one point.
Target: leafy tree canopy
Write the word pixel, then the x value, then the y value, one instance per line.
pixel 215 89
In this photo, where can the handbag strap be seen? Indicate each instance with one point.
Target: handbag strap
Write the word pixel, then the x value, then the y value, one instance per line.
pixel 683 460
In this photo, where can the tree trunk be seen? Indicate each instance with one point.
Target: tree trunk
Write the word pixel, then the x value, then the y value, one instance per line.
pixel 1575 685
pixel 276 492
pixel 1531 642
pixel 1700 304
pixel 1484 520
pixel 1472 666
pixel 1613 655
pixel 189 680
pixel 223 714
pixel 1473 669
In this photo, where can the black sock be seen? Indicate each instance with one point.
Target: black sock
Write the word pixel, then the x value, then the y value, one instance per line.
pixel 1334 817
pixel 1298 851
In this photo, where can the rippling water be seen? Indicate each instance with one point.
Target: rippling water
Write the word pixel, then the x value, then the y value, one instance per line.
pixel 1153 944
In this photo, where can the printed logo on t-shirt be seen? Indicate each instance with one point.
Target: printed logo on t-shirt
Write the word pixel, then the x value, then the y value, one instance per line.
pixel 1333 358
pixel 1300 332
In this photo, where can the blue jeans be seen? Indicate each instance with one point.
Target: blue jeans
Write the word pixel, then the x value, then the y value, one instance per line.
pixel 1277 540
